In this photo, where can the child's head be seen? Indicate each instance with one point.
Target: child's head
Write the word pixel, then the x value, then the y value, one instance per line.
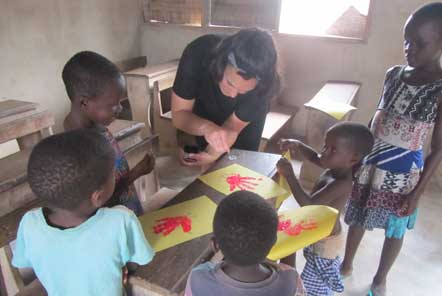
pixel 345 145
pixel 95 85
pixel 69 169
pixel 245 227
pixel 423 36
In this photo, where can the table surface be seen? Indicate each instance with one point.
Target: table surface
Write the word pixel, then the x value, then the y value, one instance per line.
pixel 169 268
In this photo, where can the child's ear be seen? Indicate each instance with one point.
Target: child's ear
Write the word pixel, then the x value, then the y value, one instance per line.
pixel 214 245
pixel 98 198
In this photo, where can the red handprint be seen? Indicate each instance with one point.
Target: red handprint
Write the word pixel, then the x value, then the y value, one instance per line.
pixel 243 183
pixel 169 224
pixel 293 230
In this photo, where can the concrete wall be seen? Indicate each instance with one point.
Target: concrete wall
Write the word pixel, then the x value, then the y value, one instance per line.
pixel 38 37
pixel 309 61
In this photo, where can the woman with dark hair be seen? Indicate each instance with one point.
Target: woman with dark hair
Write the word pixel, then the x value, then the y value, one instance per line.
pixel 222 92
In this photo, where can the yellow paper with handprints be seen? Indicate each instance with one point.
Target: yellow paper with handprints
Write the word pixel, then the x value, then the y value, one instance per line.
pixel 335 109
pixel 302 227
pixel 283 183
pixel 179 223
pixel 236 177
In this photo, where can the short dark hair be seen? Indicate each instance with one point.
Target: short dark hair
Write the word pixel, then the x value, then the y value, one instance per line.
pixel 245 228
pixel 65 169
pixel 358 135
pixel 87 74
pixel 255 53
pixel 431 12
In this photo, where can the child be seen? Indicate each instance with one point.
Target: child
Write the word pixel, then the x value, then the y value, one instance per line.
pixel 75 246
pixel 95 87
pixel 244 229
pixel 391 180
pixel 345 145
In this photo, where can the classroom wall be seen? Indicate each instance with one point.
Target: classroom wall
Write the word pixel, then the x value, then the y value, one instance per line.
pixel 38 37
pixel 309 61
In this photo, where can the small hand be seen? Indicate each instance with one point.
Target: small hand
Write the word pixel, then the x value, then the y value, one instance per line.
pixel 146 165
pixel 289 144
pixel 409 205
pixel 284 168
pixel 217 137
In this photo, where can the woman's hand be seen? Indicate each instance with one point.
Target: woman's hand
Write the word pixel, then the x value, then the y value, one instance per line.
pixel 217 137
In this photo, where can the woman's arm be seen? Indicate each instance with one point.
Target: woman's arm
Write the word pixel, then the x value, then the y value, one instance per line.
pixel 431 164
pixel 232 126
pixel 184 119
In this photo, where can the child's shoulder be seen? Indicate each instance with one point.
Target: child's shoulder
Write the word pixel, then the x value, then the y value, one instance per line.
pixel 119 213
pixel 32 216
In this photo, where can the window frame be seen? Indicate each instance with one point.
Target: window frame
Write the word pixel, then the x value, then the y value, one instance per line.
pixel 206 26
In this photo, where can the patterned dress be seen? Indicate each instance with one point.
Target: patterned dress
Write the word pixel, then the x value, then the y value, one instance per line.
pixel 406 114
pixel 128 197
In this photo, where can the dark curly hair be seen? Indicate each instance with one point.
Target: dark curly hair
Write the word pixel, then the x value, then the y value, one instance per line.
pixel 358 135
pixel 245 228
pixel 87 74
pixel 426 13
pixel 255 53
pixel 66 168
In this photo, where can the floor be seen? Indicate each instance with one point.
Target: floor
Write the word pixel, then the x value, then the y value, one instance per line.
pixel 418 269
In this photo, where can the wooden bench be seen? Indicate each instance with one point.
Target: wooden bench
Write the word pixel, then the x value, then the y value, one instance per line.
pixel 318 122
pixel 277 119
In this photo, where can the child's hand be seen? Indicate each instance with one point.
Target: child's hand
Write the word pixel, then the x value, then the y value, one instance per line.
pixel 284 168
pixel 289 144
pixel 146 165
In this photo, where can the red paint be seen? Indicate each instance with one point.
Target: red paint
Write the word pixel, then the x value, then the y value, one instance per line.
pixel 296 229
pixel 169 224
pixel 243 183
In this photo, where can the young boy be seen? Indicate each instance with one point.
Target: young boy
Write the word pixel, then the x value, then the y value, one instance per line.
pixel 75 246
pixel 95 87
pixel 244 229
pixel 345 146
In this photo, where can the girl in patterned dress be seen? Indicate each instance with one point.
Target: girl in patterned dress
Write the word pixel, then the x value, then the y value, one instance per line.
pixel 393 176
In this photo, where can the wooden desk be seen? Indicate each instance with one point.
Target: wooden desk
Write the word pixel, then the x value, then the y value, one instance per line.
pixel 168 271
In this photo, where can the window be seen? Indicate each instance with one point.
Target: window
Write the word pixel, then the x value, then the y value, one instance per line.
pixel 343 18
pixel 339 18
pixel 181 12
pixel 244 13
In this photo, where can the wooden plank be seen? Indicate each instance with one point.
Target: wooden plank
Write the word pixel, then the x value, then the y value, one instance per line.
pixel 12 107
pixel 13 170
pixel 170 268
pixel 121 129
pixel 152 71
pixel 10 275
pixel 25 123
pixel 9 223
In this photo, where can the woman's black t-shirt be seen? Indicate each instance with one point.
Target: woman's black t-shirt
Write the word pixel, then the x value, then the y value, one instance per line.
pixel 194 81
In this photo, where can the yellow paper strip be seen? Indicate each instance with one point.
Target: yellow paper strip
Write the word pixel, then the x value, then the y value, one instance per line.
pixel 302 227
pixel 169 227
pixel 335 109
pixel 283 183
pixel 236 177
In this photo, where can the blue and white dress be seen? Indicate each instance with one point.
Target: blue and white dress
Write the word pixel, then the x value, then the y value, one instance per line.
pixel 405 116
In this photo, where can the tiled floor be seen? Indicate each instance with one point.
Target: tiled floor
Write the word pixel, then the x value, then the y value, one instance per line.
pixel 418 269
